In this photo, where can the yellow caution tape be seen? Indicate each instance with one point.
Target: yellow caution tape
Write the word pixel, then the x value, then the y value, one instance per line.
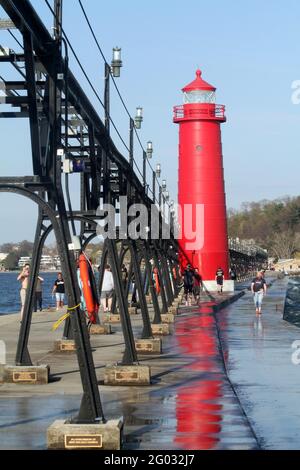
pixel 73 308
pixel 64 317
pixel 59 321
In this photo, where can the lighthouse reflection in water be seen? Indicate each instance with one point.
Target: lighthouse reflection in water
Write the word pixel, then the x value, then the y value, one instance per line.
pixel 199 401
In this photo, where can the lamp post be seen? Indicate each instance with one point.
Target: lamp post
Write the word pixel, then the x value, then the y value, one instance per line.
pixel 158 170
pixel 131 129
pixel 116 62
pixel 153 185
pixel 149 149
pixel 144 168
pixel 138 117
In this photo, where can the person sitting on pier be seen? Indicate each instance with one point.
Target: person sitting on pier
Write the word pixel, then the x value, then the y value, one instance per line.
pixel 258 289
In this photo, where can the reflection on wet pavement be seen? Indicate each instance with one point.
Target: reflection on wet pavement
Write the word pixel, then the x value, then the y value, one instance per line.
pixel 198 409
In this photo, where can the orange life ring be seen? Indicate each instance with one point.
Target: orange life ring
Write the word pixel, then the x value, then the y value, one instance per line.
pixel 156 280
pixel 91 302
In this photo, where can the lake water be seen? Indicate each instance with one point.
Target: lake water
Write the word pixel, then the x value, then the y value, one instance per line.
pixel 292 301
pixel 10 292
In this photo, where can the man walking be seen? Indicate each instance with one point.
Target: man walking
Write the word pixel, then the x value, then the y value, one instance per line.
pixel 197 285
pixel 188 280
pixel 220 280
pixel 38 295
pixel 23 278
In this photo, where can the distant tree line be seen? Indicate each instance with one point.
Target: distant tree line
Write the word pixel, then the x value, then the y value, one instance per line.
pixel 25 248
pixel 15 251
pixel 274 225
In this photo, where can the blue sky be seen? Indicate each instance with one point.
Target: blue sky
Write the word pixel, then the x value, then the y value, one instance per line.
pixel 249 50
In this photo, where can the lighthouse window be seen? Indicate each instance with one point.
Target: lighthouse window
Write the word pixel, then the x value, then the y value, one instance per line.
pixel 199 96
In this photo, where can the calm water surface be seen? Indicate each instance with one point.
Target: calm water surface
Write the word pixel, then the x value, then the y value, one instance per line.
pixel 10 292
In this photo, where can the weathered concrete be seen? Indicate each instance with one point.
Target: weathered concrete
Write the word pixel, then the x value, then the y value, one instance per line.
pixel 148 346
pixel 100 329
pixel 211 286
pixel 112 318
pixel 263 365
pixel 167 317
pixel 132 310
pixel 64 346
pixel 160 329
pixel 127 375
pixel 63 435
pixel 31 375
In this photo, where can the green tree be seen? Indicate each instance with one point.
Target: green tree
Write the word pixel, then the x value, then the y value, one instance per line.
pixel 11 261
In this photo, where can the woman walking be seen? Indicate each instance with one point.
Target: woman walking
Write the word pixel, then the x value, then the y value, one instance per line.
pixel 59 291
pixel 258 289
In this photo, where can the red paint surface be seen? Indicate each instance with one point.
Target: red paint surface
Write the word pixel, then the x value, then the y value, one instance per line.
pixel 201 180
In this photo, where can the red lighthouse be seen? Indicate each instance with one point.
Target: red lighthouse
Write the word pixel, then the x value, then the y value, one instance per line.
pixel 201 181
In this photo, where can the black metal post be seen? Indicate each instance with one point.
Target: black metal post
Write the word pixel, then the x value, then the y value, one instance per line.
pixel 144 169
pixel 146 251
pixel 147 332
pixel 130 355
pixel 164 308
pixel 153 185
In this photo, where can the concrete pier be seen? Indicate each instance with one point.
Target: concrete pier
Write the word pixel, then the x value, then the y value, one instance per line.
pixel 217 384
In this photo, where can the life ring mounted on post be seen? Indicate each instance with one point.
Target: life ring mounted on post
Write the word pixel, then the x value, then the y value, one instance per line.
pixel 88 287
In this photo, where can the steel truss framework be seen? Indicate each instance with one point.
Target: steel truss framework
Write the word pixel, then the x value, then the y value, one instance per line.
pixel 48 94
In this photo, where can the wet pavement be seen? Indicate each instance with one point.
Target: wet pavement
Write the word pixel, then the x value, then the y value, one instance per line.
pixel 216 386
pixel 260 367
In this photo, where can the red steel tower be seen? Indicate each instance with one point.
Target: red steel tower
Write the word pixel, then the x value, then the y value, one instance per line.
pixel 201 179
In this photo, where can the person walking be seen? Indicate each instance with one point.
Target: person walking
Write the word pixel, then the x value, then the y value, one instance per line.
pixel 124 275
pixel 259 290
pixel 220 280
pixel 232 274
pixel 59 291
pixel 23 279
pixel 38 295
pixel 188 280
pixel 197 285
pixel 107 290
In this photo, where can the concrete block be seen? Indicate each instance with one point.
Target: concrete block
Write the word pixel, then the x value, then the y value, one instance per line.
pixel 148 346
pixel 64 346
pixel 106 436
pixel 132 311
pixel 167 318
pixel 31 375
pixel 100 330
pixel 113 318
pixel 160 329
pixel 211 286
pixel 127 375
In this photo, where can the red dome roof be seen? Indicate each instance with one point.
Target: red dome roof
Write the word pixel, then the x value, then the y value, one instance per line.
pixel 198 84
